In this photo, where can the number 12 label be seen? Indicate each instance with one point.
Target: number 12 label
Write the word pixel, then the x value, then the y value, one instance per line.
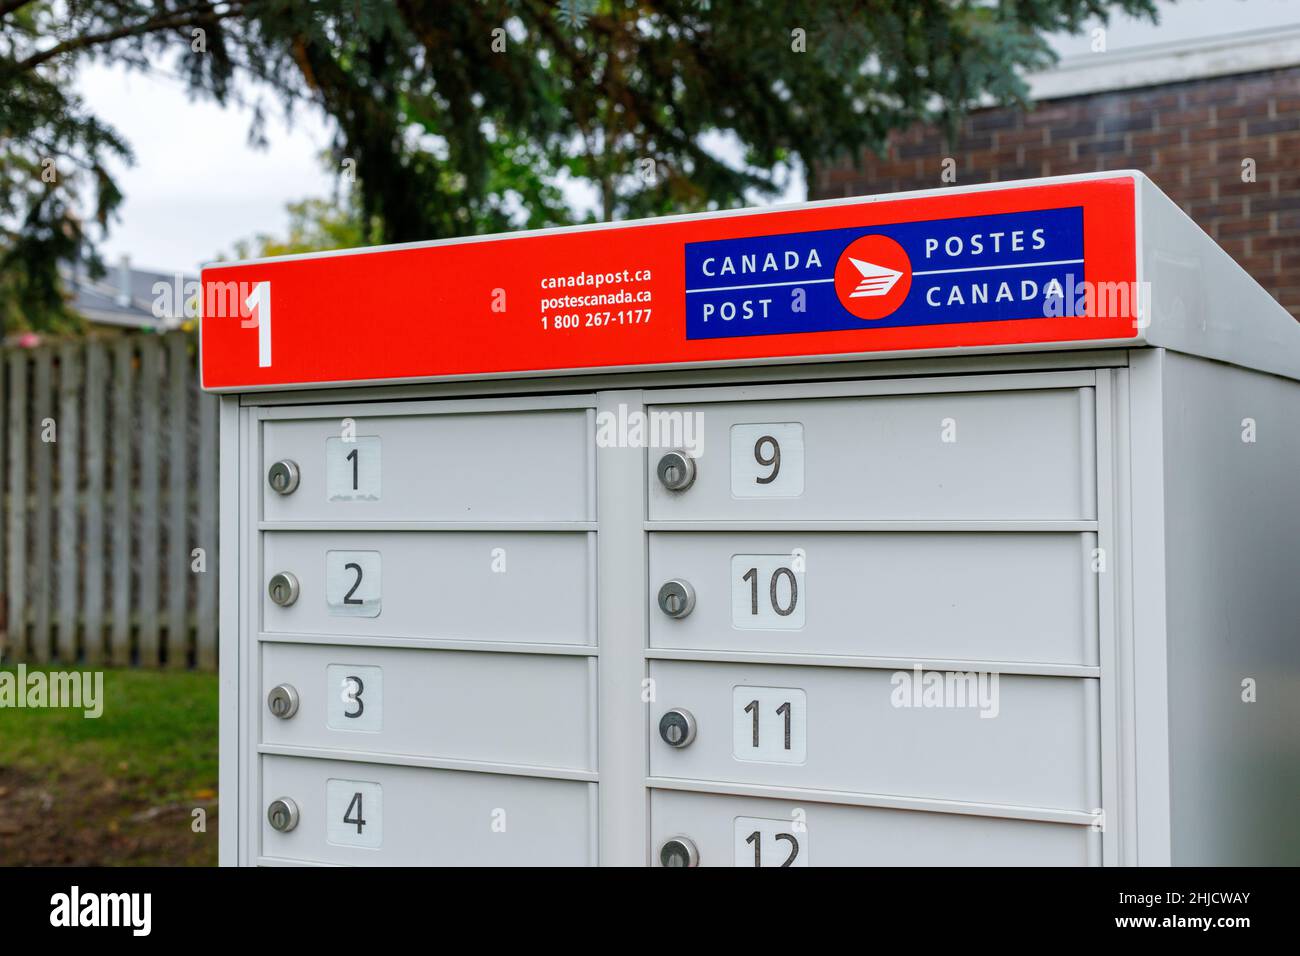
pixel 352 469
pixel 354 813
pixel 762 842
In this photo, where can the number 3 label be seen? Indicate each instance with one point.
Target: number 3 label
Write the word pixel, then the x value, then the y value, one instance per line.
pixel 767 460
pixel 354 697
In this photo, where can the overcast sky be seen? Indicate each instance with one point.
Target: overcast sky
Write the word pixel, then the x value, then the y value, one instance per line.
pixel 197 186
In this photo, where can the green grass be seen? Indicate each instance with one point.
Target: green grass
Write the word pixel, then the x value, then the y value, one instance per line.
pixel 157 736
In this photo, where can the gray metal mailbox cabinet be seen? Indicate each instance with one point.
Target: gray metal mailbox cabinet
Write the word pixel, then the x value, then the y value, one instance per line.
pixel 954 527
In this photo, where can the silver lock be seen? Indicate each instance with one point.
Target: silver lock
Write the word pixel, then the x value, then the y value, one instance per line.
pixel 283 477
pixel 677 728
pixel 282 701
pixel 677 598
pixel 282 814
pixel 283 589
pixel 679 851
pixel 676 471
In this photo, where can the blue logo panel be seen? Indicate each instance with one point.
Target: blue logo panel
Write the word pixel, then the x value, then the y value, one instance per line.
pixel 972 269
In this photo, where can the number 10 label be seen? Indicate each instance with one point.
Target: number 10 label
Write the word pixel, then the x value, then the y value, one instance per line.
pixel 767 592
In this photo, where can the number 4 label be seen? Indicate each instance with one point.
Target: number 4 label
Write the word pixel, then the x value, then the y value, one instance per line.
pixel 354 813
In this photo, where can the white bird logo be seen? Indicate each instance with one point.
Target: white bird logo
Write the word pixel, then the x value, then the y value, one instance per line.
pixel 876 280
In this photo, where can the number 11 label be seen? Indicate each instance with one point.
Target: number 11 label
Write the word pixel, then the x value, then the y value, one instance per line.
pixel 769 724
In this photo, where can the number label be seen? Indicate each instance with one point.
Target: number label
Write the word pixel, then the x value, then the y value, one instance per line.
pixel 767 593
pixel 769 724
pixel 762 842
pixel 352 469
pixel 354 813
pixel 352 583
pixel 354 697
pixel 767 460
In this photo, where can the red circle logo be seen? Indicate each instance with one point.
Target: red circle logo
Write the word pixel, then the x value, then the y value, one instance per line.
pixel 872 277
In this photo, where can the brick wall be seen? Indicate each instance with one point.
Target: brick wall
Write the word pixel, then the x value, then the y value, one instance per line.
pixel 1190 138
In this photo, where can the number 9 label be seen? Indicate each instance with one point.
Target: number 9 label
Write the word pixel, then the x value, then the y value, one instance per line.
pixel 767 460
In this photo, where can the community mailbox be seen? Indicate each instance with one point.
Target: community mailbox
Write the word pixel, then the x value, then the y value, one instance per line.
pixel 954 527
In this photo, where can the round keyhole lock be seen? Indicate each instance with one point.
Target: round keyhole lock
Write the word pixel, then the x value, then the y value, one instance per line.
pixel 676 598
pixel 283 589
pixel 677 728
pixel 282 814
pixel 282 701
pixel 283 477
pixel 679 851
pixel 676 471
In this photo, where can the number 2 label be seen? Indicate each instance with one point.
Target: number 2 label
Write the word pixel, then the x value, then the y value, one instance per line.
pixel 352 583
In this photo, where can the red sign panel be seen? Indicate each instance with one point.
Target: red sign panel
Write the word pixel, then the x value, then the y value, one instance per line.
pixel 1038 264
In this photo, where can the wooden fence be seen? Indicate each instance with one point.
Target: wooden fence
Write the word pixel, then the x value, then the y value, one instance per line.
pixel 110 484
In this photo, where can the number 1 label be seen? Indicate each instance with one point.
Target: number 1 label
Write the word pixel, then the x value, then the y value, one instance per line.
pixel 352 469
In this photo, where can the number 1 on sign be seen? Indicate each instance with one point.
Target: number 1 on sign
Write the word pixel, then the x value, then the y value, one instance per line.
pixel 259 302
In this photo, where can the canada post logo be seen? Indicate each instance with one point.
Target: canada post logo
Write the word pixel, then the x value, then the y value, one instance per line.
pixel 936 272
pixel 872 277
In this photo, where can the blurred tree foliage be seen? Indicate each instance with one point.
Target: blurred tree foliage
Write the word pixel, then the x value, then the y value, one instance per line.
pixel 464 116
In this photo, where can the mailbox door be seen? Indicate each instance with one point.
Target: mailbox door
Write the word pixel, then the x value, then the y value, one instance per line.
pixel 749 831
pixel 968 596
pixel 372 814
pixel 526 709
